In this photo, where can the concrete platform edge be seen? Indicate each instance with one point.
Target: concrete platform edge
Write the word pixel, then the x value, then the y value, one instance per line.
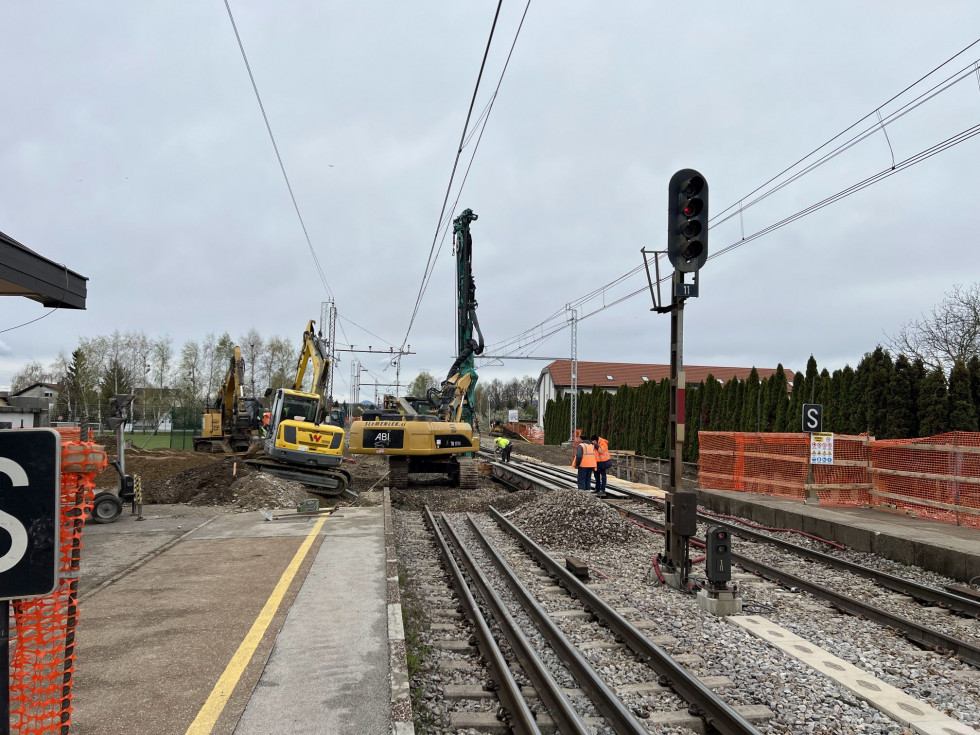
pixel 401 701
pixel 881 538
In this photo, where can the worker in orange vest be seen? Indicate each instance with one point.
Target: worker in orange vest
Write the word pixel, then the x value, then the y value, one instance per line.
pixel 602 462
pixel 585 462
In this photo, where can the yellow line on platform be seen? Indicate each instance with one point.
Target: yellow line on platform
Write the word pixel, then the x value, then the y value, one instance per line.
pixel 215 704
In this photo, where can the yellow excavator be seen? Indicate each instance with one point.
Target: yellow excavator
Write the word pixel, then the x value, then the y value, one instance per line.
pixel 229 425
pixel 301 445
pixel 434 434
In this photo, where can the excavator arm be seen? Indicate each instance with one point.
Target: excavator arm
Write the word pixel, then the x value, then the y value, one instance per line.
pixel 314 351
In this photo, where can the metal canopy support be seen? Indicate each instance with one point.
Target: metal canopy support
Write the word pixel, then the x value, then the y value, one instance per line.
pixel 25 273
pixel 573 367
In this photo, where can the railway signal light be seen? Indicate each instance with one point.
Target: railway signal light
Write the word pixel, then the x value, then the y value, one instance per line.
pixel 718 556
pixel 687 220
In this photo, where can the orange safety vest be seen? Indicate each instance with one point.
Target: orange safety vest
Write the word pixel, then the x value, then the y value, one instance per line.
pixel 588 456
pixel 602 451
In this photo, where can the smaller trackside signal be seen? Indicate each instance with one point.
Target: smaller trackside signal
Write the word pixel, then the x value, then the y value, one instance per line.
pixel 687 220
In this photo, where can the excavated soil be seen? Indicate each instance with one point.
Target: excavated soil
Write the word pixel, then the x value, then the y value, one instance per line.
pixel 550 453
pixel 196 478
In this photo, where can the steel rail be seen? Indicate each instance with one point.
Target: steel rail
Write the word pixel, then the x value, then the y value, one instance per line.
pixel 568 720
pixel 921 634
pixel 611 706
pixel 944 598
pixel 717 713
pixel 508 691
pixel 947 599
pixel 520 478
pixel 890 581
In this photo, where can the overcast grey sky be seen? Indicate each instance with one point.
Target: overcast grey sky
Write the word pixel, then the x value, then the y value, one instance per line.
pixel 132 149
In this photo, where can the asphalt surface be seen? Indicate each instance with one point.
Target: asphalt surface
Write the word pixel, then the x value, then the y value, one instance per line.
pixel 166 603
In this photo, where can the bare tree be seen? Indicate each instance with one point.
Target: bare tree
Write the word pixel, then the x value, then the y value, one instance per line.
pixel 33 372
pixel 191 371
pixel 161 357
pixel 950 332
pixel 252 345
pixel 279 363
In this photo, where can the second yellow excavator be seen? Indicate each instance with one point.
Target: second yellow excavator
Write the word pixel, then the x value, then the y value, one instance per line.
pixel 301 445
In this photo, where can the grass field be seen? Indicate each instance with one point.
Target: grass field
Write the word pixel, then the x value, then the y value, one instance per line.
pixel 151 441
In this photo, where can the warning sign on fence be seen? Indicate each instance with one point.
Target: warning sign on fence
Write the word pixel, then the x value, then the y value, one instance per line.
pixel 821 448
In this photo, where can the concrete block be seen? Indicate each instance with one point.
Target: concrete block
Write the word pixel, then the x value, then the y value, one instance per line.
pixel 721 604
pixel 571 614
pixel 449 666
pixel 455 646
pixel 600 645
pixel 482 721
pixel 466 691
pixel 855 538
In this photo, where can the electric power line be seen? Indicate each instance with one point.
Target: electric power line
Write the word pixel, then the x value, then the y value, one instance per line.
pixel 525 337
pixel 282 167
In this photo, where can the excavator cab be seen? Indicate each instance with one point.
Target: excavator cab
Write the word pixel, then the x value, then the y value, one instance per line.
pixel 300 444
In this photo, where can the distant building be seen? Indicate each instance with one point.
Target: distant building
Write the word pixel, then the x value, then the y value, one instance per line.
pixel 555 380
pixel 30 407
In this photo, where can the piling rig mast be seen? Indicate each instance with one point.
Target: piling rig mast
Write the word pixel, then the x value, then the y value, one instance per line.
pixel 434 434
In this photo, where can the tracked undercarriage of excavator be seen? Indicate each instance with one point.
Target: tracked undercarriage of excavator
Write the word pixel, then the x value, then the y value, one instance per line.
pixel 300 445
pixel 434 434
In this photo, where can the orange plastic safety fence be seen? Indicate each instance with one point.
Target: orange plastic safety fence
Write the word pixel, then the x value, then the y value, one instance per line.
pixel 533 434
pixel 935 477
pixel 42 661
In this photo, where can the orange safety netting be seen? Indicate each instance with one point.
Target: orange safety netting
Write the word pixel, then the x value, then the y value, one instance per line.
pixel 779 464
pixel 935 477
pixel 42 640
pixel 533 434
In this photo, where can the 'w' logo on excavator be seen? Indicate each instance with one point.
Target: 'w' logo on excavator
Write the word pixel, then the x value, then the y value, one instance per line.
pixel 317 438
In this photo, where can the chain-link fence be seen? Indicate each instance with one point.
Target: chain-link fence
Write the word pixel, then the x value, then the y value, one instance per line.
pixel 146 425
pixel 184 423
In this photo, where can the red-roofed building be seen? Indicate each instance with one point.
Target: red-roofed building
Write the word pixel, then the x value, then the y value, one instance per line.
pixel 555 380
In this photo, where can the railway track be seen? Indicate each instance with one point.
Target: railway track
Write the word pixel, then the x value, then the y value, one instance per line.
pixel 561 632
pixel 889 600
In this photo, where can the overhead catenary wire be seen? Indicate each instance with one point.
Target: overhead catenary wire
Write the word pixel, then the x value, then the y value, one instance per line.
pixel 919 157
pixel 544 330
pixel 869 131
pixel 477 126
pixel 282 167
pixel 430 260
pixel 852 126
pixel 289 187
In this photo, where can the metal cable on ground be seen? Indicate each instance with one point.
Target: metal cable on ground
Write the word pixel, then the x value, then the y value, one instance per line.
pixel 282 167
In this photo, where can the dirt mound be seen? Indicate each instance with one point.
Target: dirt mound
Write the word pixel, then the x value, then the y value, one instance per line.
pixel 258 490
pixel 230 482
pixel 183 487
pixel 575 519
pixel 154 465
pixel 550 453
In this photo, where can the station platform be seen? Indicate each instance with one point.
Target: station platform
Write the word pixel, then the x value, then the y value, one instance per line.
pixel 953 551
pixel 243 625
